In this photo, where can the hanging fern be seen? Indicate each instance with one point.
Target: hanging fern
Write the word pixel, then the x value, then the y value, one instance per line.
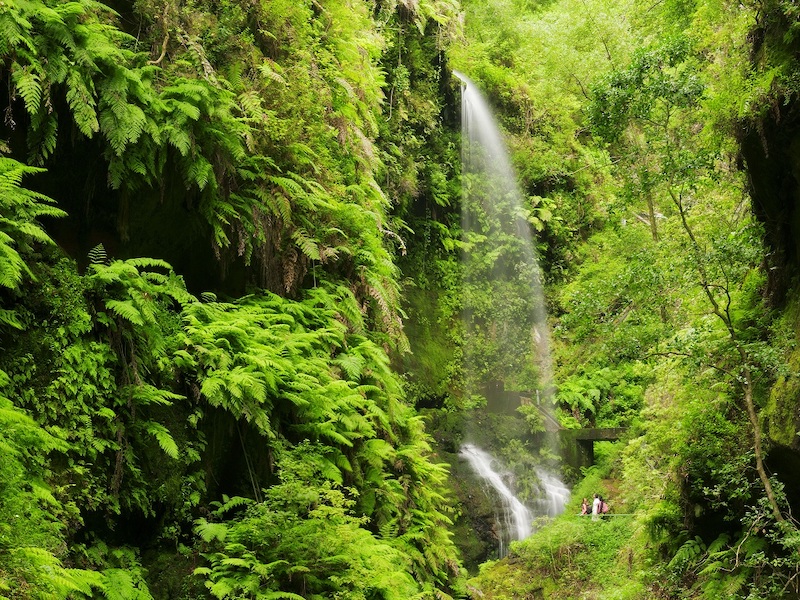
pixel 19 231
pixel 28 86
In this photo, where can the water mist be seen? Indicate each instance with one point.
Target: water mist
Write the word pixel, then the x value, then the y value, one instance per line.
pixel 506 338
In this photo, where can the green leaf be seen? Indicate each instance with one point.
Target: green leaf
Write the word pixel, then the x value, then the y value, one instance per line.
pixel 210 531
pixel 164 438
pixel 126 310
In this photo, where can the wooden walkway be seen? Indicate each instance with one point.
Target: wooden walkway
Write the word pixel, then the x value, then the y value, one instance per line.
pixel 608 434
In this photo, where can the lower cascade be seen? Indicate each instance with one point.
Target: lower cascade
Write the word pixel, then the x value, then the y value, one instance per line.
pixel 515 520
pixel 555 497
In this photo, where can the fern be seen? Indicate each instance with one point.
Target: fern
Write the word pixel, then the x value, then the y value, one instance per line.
pixel 127 310
pixel 149 263
pixel 210 531
pixel 97 255
pixel 200 172
pixel 277 204
pixel 230 504
pixel 82 102
pixel 28 85
pixel 351 364
pixel 282 596
pixel 164 438
pixel 42 136
pixel 309 246
pixel 288 185
pixel 271 71
pixel 120 584
pixel 19 231
pixel 688 554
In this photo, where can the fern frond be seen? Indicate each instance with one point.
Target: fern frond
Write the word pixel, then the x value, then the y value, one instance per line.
pixel 271 71
pixel 200 172
pixel 118 584
pixel 281 596
pixel 287 185
pixel 210 531
pixel 9 317
pixel 179 139
pixel 164 439
pixel 277 204
pixel 97 255
pixel 42 136
pixel 221 589
pixel 28 85
pixel 126 310
pixel 688 554
pixel 82 103
pixel 308 245
pixel 719 543
pixel 13 32
pixel 144 262
pixel 146 394
pixel 35 232
pixel 351 364
pixel 85 581
pixel 231 504
pixel 190 111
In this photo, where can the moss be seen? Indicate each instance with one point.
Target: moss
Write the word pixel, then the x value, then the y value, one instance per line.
pixel 780 413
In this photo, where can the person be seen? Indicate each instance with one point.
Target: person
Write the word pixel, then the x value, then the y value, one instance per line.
pixel 596 508
pixel 585 507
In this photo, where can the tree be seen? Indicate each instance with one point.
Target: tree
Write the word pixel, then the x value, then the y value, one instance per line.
pixel 657 99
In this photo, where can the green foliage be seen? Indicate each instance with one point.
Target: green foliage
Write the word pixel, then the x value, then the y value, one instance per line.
pixel 270 361
pixel 303 541
pixel 315 148
pixel 572 553
pixel 124 366
pixel 19 229
pixel 31 539
pixel 657 74
pixel 118 570
pixel 604 396
pixel 280 166
pixel 291 371
pixel 632 321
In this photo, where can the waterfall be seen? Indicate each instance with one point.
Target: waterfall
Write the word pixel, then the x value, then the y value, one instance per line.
pixel 514 520
pixel 506 338
pixel 506 335
pixel 555 495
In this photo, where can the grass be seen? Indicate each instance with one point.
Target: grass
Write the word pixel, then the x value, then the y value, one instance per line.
pixel 572 557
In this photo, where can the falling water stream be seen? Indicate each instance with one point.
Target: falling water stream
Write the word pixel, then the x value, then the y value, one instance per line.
pixel 514 518
pixel 506 335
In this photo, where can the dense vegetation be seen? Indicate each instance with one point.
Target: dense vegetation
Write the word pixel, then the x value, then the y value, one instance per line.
pixel 237 431
pixel 232 358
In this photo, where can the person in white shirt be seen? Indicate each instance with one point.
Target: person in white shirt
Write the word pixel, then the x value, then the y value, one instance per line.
pixel 596 508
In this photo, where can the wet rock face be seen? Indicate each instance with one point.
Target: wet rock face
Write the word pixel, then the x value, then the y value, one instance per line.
pixel 770 146
pixel 476 527
pixel 770 151
pixel 785 461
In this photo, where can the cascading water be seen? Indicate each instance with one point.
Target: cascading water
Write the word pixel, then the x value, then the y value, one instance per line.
pixel 506 339
pixel 514 518
pixel 555 495
pixel 506 332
